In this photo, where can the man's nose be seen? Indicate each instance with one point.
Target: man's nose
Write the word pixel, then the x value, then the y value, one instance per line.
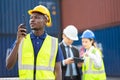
pixel 32 20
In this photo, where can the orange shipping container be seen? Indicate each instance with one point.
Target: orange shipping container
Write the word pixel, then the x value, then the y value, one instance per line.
pixel 90 14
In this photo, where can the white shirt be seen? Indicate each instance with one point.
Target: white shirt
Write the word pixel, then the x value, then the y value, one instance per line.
pixel 96 57
pixel 73 64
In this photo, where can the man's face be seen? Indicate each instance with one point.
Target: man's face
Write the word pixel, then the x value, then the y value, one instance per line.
pixel 67 40
pixel 37 21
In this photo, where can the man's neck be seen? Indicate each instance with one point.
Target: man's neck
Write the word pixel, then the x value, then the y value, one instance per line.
pixel 38 32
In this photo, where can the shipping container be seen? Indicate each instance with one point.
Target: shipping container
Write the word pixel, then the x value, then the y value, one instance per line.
pixel 108 42
pixel 12 12
pixel 5 45
pixel 109 38
pixel 92 14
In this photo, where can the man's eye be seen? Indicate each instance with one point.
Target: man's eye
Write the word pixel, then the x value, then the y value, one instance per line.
pixel 36 17
pixel 40 17
pixel 30 17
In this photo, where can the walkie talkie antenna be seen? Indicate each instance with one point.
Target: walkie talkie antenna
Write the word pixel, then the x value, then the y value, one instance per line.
pixel 24 20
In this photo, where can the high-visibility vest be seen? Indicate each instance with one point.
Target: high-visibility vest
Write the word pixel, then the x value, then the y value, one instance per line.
pixel 45 61
pixel 90 72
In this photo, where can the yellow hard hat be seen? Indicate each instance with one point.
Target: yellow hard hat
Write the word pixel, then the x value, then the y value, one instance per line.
pixel 42 9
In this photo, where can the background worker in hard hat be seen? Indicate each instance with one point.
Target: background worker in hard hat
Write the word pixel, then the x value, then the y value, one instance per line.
pixel 93 66
pixel 38 54
pixel 70 70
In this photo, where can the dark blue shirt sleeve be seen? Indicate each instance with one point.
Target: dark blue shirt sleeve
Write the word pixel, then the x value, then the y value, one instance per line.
pixel 59 56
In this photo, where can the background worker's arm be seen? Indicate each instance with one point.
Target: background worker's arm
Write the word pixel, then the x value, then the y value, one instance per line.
pixel 67 61
pixel 97 59
pixel 12 58
pixel 58 71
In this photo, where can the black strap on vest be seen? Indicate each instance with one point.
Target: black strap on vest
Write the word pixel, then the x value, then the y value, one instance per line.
pixel 34 75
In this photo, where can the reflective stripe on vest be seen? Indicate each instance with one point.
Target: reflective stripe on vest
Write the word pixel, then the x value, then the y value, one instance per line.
pixel 91 71
pixel 94 72
pixel 53 51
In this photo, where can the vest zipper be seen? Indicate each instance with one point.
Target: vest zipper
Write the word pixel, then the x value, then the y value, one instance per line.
pixel 34 75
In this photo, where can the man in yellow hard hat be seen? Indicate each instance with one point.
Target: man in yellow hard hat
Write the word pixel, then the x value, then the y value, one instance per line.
pixel 38 54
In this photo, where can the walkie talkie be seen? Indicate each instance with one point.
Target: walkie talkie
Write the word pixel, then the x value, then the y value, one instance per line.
pixel 23 25
pixel 24 22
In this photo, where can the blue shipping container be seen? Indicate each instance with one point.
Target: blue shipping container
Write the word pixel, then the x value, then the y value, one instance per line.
pixel 5 44
pixel 109 38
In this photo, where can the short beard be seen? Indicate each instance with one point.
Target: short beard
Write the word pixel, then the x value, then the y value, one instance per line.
pixel 36 29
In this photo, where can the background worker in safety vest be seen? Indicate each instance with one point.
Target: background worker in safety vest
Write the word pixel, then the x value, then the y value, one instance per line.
pixel 93 66
pixel 70 69
pixel 38 54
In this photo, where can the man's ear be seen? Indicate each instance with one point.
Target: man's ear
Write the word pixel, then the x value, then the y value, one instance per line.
pixel 63 35
pixel 46 18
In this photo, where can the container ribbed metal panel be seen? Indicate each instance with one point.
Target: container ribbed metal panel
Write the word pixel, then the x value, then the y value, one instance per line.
pixel 5 44
pixel 94 14
pixel 109 38
pixel 12 12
